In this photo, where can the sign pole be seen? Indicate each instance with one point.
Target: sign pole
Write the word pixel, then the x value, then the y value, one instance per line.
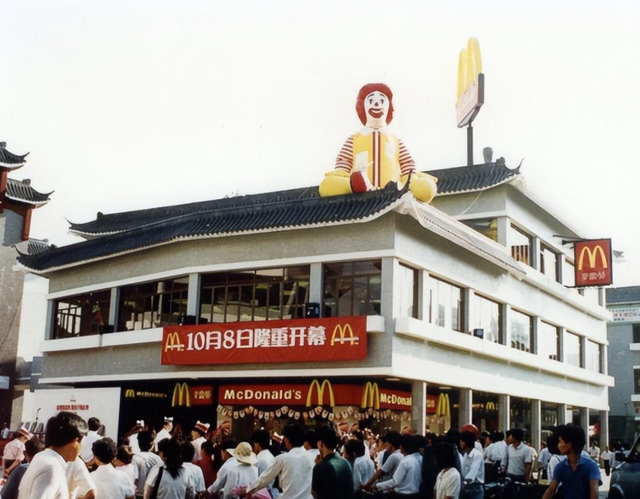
pixel 470 145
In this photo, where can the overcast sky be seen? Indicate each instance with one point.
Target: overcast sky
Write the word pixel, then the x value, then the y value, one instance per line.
pixel 133 104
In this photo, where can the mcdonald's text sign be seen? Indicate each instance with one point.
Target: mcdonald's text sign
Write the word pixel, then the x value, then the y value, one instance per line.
pixel 297 340
pixel 593 262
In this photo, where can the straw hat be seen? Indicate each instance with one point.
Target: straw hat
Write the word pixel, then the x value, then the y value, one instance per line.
pixel 23 432
pixel 244 454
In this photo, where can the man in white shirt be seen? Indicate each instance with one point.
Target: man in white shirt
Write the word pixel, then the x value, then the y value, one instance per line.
pixel 311 445
pixel 261 442
pixel 187 452
pixel 363 468
pixel 472 467
pixel 293 468
pixel 110 483
pixel 133 437
pixel 45 477
pixel 198 438
pixel 519 457
pixel 496 451
pixel 229 461
pixel 79 480
pixel 406 479
pixel 387 470
pixel 92 435
pixel 164 433
pixel 145 460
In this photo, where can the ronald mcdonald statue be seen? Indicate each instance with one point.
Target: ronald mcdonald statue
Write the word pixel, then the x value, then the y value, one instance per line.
pixel 372 157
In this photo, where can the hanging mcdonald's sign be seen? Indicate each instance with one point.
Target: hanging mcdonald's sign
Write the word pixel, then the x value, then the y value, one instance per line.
pixel 301 340
pixel 319 392
pixel 593 262
pixel 470 96
pixel 444 407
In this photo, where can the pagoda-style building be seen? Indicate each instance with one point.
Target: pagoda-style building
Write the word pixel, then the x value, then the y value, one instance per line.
pixel 17 202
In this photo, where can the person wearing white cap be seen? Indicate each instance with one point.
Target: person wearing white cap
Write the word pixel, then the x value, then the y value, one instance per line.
pixel 14 451
pixel 242 475
pixel 133 437
pixel 165 433
pixel 198 438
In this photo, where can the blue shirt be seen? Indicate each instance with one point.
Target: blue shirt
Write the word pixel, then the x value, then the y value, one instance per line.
pixel 576 484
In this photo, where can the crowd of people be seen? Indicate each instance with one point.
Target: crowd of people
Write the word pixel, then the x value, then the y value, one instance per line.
pixel 75 461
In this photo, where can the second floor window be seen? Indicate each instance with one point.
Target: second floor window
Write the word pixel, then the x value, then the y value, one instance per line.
pixel 520 243
pixel 592 354
pixel 487 316
pixel 352 288
pixel 548 262
pixel 153 304
pixel 572 349
pixel 446 304
pixel 521 327
pixel 548 341
pixel 81 315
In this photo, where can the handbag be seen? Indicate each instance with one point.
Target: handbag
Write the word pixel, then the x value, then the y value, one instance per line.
pixel 154 494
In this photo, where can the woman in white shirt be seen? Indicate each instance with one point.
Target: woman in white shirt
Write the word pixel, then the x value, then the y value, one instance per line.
pixel 242 475
pixel 172 479
pixel 448 481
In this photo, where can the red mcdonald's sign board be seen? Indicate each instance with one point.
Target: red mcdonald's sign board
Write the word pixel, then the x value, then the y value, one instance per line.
pixel 593 262
pixel 298 340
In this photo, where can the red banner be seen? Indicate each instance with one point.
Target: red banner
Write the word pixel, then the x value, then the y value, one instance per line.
pixel 301 340
pixel 317 392
pixel 593 263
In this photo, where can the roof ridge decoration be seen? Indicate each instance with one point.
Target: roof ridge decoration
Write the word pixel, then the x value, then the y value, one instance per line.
pixel 258 218
pixel 22 192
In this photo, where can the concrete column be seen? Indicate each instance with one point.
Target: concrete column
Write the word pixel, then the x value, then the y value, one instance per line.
pixel 561 346
pixel 584 421
pixel 604 430
pixel 534 255
pixel 503 231
pixel 505 324
pixel 535 331
pixel 468 313
pixel 504 412
pixel 583 351
pixel 424 298
pixel 562 414
pixel 419 406
pixel 536 423
pixel 49 327
pixel 193 295
pixel 465 406
pixel 388 306
pixel 560 261
pixel 114 308
pixel 315 284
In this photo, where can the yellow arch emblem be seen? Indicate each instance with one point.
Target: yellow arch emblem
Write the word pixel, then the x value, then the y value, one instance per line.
pixel 592 255
pixel 320 390
pixel 130 393
pixel 469 66
pixel 370 396
pixel 343 334
pixel 181 396
pixel 173 342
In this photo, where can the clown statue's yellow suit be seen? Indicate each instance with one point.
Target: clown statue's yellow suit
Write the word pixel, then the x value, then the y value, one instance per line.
pixel 372 158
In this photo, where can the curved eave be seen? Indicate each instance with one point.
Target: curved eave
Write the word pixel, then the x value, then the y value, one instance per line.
pixel 12 166
pixel 93 235
pixel 35 204
pixel 366 219
pixel 479 189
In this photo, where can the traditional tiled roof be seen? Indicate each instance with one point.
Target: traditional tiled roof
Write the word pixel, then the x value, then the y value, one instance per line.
pixel 295 209
pixel 10 160
pixel 33 247
pixel 450 181
pixel 22 192
pixel 626 295
pixel 473 178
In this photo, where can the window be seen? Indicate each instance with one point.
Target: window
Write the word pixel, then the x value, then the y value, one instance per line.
pixel 487 227
pixel 548 341
pixel 636 381
pixel 487 317
pixel 254 295
pixel 568 274
pixel 408 299
pixel 520 243
pixel 636 333
pixel 153 304
pixel 352 288
pixel 81 315
pixel 548 262
pixel 445 304
pixel 572 349
pixel 521 326
pixel 593 357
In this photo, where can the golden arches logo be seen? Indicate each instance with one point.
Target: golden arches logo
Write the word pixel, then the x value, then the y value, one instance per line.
pixel 320 390
pixel 469 66
pixel 181 396
pixel 491 406
pixel 173 342
pixel 370 396
pixel 443 408
pixel 130 393
pixel 592 255
pixel 343 334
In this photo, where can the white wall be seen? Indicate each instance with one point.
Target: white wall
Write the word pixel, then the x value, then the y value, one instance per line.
pixel 33 316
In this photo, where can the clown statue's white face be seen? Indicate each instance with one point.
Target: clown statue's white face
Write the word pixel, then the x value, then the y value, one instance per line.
pixel 376 108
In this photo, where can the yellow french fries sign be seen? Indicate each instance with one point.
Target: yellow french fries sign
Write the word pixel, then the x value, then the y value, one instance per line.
pixel 470 91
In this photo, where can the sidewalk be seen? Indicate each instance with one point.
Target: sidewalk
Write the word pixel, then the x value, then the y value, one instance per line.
pixel 603 492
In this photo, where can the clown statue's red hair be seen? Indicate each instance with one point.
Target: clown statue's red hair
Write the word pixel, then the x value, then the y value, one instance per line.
pixel 372 158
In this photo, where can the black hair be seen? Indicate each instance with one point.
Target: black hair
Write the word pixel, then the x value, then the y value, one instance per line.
pixel 445 455
pixel 124 454
pixel 145 439
pixel 393 438
pixel 311 438
pixel 410 444
pixel 64 428
pixel 170 450
pixel 552 443
pixel 517 433
pixel 329 436
pixel 208 448
pixel 295 433
pixel 573 435
pixel 33 446
pixel 262 438
pixel 187 451
pixel 94 424
pixel 104 450
pixel 228 444
pixel 468 438
pixel 354 447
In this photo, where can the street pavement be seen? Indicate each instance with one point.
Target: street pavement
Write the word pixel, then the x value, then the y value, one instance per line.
pixel 604 488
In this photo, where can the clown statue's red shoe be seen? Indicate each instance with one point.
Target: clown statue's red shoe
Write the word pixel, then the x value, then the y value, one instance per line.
pixel 372 157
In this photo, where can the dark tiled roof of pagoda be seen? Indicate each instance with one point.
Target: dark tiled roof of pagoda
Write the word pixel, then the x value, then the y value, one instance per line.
pixel 629 294
pixel 260 213
pixel 23 192
pixel 10 160
pixel 473 178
